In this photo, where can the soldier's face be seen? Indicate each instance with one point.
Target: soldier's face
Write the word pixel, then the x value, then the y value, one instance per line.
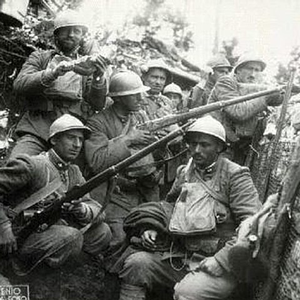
pixel 219 72
pixel 204 149
pixel 156 80
pixel 249 73
pixel 132 102
pixel 68 144
pixel 68 38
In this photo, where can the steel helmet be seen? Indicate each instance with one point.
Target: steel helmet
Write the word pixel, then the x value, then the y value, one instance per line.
pixel 173 88
pixel 208 125
pixel 67 122
pixel 126 83
pixel 245 58
pixel 69 18
pixel 157 64
pixel 219 61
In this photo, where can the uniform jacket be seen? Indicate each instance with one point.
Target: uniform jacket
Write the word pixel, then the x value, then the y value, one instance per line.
pixel 25 175
pixel 157 106
pixel 240 120
pixel 235 185
pixel 41 109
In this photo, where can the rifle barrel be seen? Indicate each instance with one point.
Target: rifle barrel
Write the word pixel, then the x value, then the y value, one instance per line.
pixel 154 125
pixel 51 214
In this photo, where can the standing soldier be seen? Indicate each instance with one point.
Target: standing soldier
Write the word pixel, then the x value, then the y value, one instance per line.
pixel 241 120
pixel 220 66
pixel 51 174
pixel 115 137
pixel 155 75
pixel 53 87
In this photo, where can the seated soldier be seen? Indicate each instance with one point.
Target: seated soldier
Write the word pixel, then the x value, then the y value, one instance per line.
pixel 186 244
pixel 80 226
pixel 115 137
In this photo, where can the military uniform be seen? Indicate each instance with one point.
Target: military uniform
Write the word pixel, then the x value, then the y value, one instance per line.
pixel 48 98
pixel 144 269
pixel 25 175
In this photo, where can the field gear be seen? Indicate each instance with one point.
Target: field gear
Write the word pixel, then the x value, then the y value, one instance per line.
pixel 243 59
pixel 69 18
pixel 67 122
pixel 173 88
pixel 126 83
pixel 219 61
pixel 209 125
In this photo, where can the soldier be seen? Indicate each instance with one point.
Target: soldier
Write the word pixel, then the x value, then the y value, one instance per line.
pixel 52 87
pixel 220 66
pixel 51 174
pixel 156 75
pixel 174 93
pixel 189 243
pixel 115 137
pixel 241 120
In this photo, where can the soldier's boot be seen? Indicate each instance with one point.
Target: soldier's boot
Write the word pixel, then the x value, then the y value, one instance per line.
pixel 132 292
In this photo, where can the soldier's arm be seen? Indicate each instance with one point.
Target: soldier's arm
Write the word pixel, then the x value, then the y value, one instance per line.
pixel 101 152
pixel 33 77
pixel 244 202
pixel 226 89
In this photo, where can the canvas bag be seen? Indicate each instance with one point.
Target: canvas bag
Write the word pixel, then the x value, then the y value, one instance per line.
pixel 198 208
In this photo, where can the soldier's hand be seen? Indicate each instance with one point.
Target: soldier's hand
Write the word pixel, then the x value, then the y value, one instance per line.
pixel 101 64
pixel 76 207
pixel 62 68
pixel 149 238
pixel 275 100
pixel 211 266
pixel 8 243
pixel 139 137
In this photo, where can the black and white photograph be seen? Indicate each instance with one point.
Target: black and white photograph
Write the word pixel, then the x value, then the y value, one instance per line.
pixel 149 149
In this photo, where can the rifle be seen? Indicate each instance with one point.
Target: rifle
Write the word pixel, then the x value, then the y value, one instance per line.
pixel 154 125
pixel 51 214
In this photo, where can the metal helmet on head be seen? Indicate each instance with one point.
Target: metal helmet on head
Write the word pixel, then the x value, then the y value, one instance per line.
pixel 219 61
pixel 173 88
pixel 157 64
pixel 65 123
pixel 69 18
pixel 126 83
pixel 245 58
pixel 210 126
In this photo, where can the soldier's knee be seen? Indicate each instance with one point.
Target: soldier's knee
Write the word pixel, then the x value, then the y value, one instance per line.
pixel 138 269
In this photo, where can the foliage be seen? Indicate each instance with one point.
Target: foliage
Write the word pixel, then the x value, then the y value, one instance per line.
pixel 157 18
pixel 283 72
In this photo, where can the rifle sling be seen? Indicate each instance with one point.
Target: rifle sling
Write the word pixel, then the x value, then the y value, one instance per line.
pixel 36 197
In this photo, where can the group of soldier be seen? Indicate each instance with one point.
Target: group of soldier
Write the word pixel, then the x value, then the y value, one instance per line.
pixel 181 241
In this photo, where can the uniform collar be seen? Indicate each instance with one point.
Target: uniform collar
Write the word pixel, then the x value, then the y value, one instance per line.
pixel 57 161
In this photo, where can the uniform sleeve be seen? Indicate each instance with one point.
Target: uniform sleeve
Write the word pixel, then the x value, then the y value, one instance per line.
pixel 33 78
pixel 100 151
pixel 244 202
pixel 16 175
pixel 92 207
pixel 227 89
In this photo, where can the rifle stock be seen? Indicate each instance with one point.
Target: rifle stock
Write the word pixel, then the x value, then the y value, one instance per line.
pixel 154 125
pixel 51 214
